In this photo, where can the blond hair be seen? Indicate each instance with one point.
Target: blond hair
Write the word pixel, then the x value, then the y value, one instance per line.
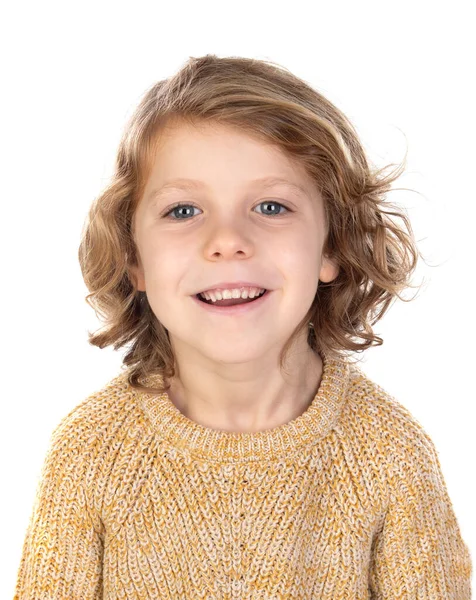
pixel 375 255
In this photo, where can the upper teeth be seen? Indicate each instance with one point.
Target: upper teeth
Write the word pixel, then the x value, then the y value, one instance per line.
pixel 248 292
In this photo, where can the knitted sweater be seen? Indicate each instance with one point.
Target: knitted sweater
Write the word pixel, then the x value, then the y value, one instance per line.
pixel 347 501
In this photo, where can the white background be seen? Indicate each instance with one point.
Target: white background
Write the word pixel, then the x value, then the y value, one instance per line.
pixel 73 73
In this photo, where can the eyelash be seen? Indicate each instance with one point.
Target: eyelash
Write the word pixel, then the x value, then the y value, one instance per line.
pixel 182 204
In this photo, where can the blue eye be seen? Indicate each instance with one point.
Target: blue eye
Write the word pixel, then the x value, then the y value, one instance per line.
pixel 271 203
pixel 274 205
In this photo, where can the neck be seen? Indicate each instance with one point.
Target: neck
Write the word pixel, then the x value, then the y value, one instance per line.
pixel 244 404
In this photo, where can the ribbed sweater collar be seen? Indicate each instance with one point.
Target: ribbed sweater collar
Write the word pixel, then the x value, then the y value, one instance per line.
pixel 224 446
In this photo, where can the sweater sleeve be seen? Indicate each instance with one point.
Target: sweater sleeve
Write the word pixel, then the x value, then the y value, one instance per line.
pixel 63 547
pixel 418 552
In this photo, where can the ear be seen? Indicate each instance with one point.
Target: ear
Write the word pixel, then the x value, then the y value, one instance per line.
pixel 136 273
pixel 329 269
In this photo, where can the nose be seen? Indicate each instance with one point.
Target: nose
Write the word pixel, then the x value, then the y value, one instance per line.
pixel 229 240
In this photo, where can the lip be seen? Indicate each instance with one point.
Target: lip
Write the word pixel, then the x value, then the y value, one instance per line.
pixel 231 285
pixel 234 310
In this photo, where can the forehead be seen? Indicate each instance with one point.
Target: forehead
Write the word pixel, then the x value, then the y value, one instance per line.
pixel 190 155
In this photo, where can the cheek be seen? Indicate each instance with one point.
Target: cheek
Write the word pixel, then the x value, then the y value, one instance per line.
pixel 168 273
pixel 301 264
pixel 297 256
pixel 159 254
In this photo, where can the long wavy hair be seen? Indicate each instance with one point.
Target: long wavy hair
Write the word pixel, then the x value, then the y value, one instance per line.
pixel 376 255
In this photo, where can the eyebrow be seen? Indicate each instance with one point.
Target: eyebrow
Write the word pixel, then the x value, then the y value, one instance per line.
pixel 185 184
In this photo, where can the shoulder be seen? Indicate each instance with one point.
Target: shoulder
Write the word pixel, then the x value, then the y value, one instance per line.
pixel 385 430
pixel 101 417
pixel 106 440
pixel 371 406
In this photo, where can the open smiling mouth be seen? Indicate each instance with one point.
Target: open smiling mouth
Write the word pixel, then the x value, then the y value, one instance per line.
pixel 230 301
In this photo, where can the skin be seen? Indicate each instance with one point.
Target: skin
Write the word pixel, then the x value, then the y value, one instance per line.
pixel 228 375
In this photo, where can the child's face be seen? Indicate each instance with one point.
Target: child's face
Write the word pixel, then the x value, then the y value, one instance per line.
pixel 233 234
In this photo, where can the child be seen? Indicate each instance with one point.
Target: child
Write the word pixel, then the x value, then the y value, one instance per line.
pixel 242 248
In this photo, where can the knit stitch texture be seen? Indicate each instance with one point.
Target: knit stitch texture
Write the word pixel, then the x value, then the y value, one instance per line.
pixel 347 501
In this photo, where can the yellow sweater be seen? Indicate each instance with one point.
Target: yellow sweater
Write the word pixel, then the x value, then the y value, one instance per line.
pixel 347 501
